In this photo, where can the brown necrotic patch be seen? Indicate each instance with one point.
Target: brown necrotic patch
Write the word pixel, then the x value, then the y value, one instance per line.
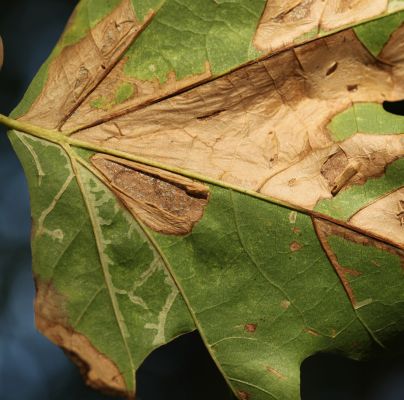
pixel 384 216
pixel 166 202
pixel 326 229
pixel 80 67
pixel 263 127
pixel 52 320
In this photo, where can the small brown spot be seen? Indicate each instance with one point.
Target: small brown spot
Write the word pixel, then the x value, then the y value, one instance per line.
pixel 332 69
pixel 250 328
pixel 352 88
pixel 296 230
pixel 311 332
pixel 243 395
pixel 276 373
pixel 295 246
pixel 292 182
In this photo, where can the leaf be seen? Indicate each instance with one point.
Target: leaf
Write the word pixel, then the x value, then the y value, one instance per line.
pixel 220 166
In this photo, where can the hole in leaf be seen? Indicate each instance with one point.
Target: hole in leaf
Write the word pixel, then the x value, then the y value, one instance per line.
pixel 394 107
pixel 333 377
pixel 181 370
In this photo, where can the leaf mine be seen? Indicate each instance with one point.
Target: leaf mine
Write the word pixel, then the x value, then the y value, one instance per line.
pixel 165 202
pixel 289 242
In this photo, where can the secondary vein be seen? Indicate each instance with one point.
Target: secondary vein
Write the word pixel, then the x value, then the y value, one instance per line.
pixel 104 264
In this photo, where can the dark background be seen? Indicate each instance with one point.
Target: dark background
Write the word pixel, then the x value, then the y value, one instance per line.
pixel 32 368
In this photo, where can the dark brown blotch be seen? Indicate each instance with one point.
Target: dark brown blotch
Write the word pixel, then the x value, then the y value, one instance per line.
pixel 165 202
pixel 352 88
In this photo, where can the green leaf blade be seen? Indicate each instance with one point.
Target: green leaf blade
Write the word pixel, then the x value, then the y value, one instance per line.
pixel 299 172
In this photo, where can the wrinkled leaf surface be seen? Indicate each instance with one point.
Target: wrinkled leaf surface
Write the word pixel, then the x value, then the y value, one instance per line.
pixel 220 166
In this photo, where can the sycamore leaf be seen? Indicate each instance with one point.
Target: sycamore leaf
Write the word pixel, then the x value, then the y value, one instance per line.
pixel 225 166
